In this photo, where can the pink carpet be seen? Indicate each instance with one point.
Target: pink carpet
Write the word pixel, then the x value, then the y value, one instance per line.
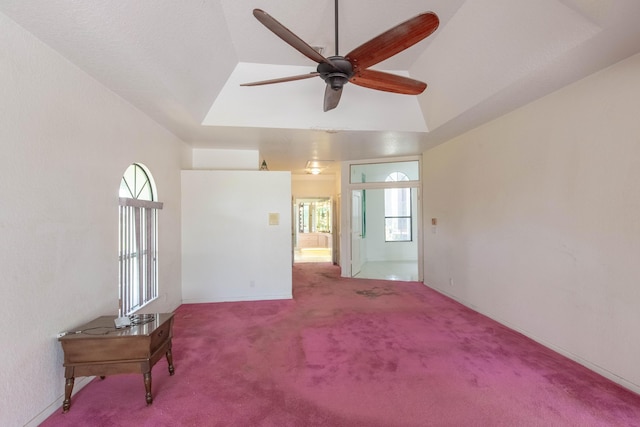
pixel 350 352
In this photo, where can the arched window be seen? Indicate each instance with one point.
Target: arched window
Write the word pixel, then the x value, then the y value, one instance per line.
pixel 138 243
pixel 137 183
pixel 397 210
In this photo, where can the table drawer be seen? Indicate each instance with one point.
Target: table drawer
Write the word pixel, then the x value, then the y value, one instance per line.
pixel 160 335
pixel 101 350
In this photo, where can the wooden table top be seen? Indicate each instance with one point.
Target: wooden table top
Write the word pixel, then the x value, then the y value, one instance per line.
pixel 104 327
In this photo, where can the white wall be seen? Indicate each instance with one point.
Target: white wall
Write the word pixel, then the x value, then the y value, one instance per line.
pixel 230 252
pixel 66 142
pixel 313 186
pixel 539 220
pixel 208 158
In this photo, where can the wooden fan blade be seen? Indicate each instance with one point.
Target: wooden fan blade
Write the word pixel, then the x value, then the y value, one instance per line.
pixel 387 82
pixel 393 41
pixel 285 34
pixel 282 79
pixel 331 98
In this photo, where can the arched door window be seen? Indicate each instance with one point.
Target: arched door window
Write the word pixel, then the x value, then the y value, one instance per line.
pixel 138 241
pixel 397 210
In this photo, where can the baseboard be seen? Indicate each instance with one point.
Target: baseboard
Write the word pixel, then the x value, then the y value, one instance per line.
pixel 78 385
pixel 237 299
pixel 562 351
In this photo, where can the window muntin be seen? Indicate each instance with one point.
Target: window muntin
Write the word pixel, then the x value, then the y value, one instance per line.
pixel 138 231
pixel 136 184
pixel 397 210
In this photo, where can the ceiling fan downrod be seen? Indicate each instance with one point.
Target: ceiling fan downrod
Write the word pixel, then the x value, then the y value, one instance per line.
pixel 335 12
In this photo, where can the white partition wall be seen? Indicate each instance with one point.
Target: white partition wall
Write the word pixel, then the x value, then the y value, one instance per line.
pixel 212 159
pixel 236 236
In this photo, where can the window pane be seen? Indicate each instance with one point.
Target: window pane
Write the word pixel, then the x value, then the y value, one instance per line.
pixel 143 187
pixel 397 202
pixel 138 242
pixel 396 176
pixel 135 184
pixel 397 229
pixel 378 172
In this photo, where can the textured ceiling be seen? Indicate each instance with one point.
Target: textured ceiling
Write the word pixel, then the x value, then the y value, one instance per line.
pixel 181 61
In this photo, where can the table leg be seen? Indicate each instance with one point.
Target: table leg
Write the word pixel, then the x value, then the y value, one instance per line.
pixel 170 362
pixel 68 388
pixel 147 387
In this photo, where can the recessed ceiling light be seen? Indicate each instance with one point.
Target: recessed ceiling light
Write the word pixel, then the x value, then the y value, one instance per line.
pixel 315 167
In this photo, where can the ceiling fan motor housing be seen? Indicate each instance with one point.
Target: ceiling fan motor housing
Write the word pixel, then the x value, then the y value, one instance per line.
pixel 338 75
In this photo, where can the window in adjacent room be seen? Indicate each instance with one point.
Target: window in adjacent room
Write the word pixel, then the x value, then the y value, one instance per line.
pixel 138 241
pixel 397 210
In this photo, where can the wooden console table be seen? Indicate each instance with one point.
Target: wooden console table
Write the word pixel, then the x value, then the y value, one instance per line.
pixel 99 349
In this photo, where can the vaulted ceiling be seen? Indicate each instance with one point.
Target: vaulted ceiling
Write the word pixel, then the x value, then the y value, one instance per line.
pixel 181 62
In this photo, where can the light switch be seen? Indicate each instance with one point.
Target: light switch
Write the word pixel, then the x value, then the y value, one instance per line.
pixel 274 218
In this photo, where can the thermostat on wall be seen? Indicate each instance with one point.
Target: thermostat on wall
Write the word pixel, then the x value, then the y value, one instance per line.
pixel 274 218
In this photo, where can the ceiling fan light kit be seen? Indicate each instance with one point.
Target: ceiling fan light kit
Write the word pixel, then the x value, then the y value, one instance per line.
pixel 338 70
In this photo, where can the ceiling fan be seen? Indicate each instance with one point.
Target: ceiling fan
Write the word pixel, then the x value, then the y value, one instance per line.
pixel 338 70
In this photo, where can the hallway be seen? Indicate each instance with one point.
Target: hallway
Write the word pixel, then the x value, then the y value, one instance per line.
pixel 301 255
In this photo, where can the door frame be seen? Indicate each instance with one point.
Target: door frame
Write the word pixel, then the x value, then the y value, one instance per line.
pixel 295 232
pixel 357 231
pixel 347 212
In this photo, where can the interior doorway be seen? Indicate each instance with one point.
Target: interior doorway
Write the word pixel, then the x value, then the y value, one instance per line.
pixel 384 219
pixel 313 230
pixel 384 234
